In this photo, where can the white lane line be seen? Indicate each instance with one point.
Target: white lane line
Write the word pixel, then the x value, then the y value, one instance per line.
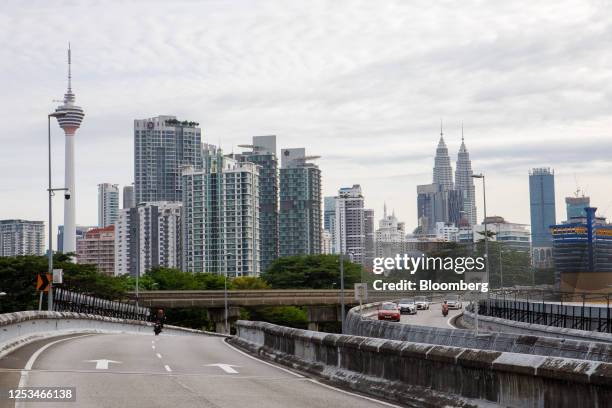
pixel 262 361
pixel 310 379
pixel 30 363
pixel 158 355
pixel 153 347
pixel 387 404
pixel 168 369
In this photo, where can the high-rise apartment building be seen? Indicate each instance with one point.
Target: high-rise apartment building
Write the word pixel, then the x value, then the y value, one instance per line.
pixel 162 146
pixel 129 200
pixel 97 247
pixel 148 236
pixel 300 204
pixel 221 225
pixel 21 237
pixel 543 215
pixel 79 232
pixel 465 183
pixel 370 238
pixel 263 154
pixel 349 233
pixel 108 204
pixel 329 219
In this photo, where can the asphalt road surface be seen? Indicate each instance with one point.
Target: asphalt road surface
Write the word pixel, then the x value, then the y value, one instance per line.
pixel 432 317
pixel 123 370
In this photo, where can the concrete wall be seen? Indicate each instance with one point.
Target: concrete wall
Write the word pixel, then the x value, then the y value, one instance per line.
pixel 17 329
pixel 429 375
pixel 597 347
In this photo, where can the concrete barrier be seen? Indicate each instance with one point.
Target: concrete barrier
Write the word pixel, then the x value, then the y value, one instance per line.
pixel 430 375
pixel 17 329
pixel 528 343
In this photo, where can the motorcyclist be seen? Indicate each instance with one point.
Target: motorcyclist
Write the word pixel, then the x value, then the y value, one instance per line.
pixel 158 322
pixel 445 308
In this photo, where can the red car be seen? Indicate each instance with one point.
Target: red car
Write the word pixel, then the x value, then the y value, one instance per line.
pixel 389 311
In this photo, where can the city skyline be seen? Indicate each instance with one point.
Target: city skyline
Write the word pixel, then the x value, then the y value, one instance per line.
pixel 352 109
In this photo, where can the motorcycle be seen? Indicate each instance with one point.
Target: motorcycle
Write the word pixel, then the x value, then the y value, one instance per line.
pixel 157 328
pixel 445 311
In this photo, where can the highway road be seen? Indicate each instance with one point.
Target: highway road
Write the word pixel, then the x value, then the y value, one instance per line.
pixel 123 370
pixel 432 317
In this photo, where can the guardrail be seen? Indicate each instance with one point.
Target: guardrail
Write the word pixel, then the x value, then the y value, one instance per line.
pixel 68 301
pixel 17 329
pixel 431 375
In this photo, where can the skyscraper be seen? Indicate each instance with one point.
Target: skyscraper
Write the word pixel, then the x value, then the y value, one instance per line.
pixel 162 145
pixel 300 204
pixel 148 236
pixel 129 200
pixel 442 171
pixel 264 154
pixel 221 226
pixel 22 237
pixel 70 123
pixel 329 220
pixel 349 233
pixel 576 206
pixel 543 216
pixel 370 249
pixel 108 204
pixel 465 183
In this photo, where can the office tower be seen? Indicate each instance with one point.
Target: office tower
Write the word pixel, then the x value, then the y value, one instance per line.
pixel 79 232
pixel 542 207
pixel 108 204
pixel 300 204
pixel 390 236
pixel 129 200
pixel 97 247
pixel 148 236
pixel 70 121
pixel 442 171
pixel 326 242
pixel 350 228
pixel 465 183
pixel 221 225
pixel 264 155
pixel 370 249
pixel 512 235
pixel 437 205
pixel 576 206
pixel 162 146
pixel 329 219
pixel 22 237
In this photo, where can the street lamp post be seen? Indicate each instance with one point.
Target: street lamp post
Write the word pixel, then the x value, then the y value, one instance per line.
pixel 51 190
pixel 341 289
pixel 225 293
pixel 486 240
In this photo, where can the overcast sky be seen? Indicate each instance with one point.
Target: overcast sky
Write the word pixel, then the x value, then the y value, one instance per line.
pixel 364 84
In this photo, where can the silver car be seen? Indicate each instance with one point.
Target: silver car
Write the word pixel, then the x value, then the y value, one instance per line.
pixel 407 306
pixel 421 302
pixel 453 302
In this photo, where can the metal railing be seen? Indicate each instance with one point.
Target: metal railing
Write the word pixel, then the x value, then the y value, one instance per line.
pixel 69 301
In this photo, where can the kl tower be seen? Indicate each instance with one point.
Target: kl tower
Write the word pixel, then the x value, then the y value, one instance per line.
pixel 70 122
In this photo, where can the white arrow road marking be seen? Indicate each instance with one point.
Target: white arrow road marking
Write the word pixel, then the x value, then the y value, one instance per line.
pixel 158 355
pixel 102 364
pixel 225 367
pixel 167 367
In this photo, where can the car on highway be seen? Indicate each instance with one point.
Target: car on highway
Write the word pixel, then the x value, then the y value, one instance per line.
pixel 453 302
pixel 389 311
pixel 407 306
pixel 421 302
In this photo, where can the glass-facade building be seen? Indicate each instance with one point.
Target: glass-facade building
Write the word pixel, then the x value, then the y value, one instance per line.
pixel 221 216
pixel 263 154
pixel 543 215
pixel 162 146
pixel 300 229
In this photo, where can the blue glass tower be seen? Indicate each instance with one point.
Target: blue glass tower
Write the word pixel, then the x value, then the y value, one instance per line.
pixel 543 216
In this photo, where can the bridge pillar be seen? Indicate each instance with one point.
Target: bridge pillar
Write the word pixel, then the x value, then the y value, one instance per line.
pixel 217 315
pixel 322 314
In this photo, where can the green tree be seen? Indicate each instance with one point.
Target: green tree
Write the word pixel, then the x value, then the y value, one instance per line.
pixel 249 282
pixel 311 272
pixel 291 316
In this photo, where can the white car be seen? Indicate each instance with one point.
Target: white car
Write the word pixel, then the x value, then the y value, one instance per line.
pixel 453 302
pixel 421 302
pixel 407 306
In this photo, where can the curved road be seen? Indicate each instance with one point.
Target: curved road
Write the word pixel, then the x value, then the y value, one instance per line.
pixel 432 317
pixel 164 371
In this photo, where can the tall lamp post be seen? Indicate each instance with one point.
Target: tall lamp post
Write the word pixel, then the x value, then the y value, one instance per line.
pixel 486 240
pixel 51 193
pixel 225 292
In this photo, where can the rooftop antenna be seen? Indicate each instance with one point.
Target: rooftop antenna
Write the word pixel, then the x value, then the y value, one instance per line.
pixel 441 133
pixel 462 132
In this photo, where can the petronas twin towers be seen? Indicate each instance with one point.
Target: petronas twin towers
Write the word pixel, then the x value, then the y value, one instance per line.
pixel 444 200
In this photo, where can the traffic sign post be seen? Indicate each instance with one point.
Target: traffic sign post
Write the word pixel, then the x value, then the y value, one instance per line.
pixel 43 283
pixel 361 294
